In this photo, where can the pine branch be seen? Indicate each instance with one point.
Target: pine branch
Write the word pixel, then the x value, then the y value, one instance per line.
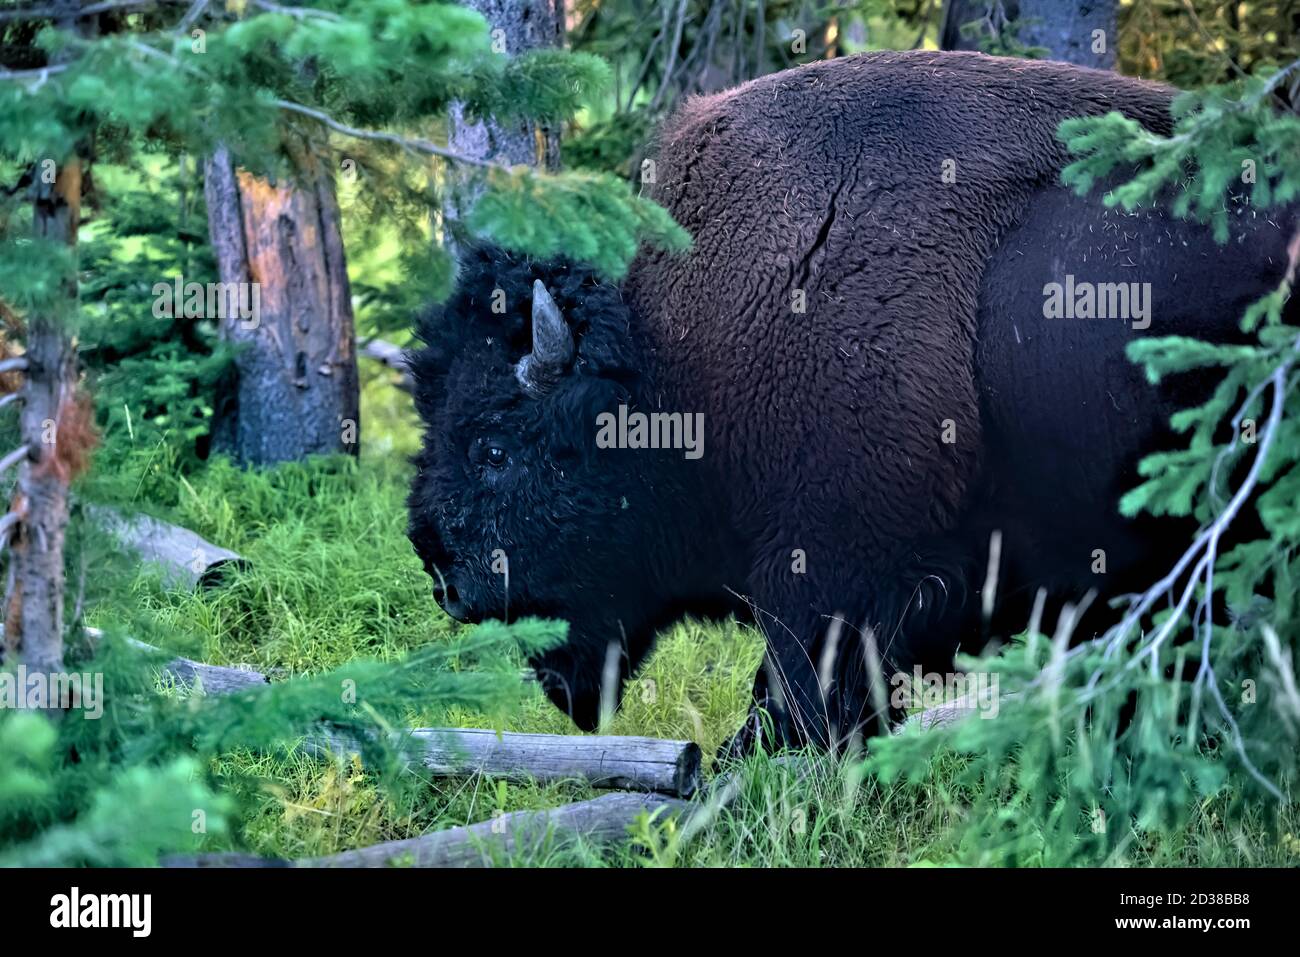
pixel 407 143
pixel 300 13
pixel 42 73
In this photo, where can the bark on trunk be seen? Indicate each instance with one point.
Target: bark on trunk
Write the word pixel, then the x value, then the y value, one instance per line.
pixel 295 391
pixel 958 13
pixel 1069 30
pixel 53 428
pixel 524 25
pixel 1066 28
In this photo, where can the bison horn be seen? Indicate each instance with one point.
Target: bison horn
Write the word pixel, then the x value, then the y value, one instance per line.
pixel 552 345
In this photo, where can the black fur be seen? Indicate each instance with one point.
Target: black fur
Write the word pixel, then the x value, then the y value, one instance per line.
pixel 569 518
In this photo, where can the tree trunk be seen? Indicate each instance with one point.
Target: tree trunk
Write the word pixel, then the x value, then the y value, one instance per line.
pixel 516 26
pixel 295 391
pixel 1078 31
pixel 1066 28
pixel 55 428
pixel 958 13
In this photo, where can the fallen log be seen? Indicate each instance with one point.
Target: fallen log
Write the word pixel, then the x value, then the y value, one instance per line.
pixel 187 560
pixel 213 679
pixel 603 820
pixel 194 675
pixel 602 761
pixel 626 763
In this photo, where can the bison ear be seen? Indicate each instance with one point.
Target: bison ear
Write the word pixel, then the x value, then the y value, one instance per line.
pixel 553 348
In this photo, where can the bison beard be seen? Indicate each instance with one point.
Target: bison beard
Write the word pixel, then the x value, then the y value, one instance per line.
pixel 859 452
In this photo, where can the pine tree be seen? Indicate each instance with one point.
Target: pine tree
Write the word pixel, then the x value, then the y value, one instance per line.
pixel 207 76
pixel 294 391
pixel 344 84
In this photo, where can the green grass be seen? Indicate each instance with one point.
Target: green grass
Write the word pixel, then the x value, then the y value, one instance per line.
pixel 333 578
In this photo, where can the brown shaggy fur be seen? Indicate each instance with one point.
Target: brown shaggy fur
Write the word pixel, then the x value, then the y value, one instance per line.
pixel 828 179
pixel 858 453
pixel 836 169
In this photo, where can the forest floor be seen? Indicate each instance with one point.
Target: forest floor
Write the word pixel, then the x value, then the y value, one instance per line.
pixel 333 578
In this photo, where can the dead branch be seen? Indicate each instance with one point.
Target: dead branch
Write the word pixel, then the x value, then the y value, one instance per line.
pixel 393 356
pixel 62 13
pixel 13 458
pixel 412 144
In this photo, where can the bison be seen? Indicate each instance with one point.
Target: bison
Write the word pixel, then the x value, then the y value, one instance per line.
pixel 876 334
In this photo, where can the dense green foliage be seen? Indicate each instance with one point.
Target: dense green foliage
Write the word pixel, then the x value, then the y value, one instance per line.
pixel 377 72
pixel 1197 43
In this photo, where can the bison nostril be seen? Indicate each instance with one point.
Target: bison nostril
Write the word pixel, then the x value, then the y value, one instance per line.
pixel 448 597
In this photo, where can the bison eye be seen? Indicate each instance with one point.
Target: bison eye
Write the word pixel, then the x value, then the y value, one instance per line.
pixel 490 453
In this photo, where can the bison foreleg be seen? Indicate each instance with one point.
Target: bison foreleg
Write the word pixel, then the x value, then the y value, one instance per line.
pixel 585 676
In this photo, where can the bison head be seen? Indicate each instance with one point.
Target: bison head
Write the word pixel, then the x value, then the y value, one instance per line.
pixel 514 510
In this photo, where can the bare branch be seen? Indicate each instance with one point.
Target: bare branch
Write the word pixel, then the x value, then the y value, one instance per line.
pixel 10 399
pixel 641 73
pixel 670 65
pixel 417 145
pixel 393 356
pixel 16 364
pixel 301 13
pixel 40 74
pixel 192 16
pixel 63 13
pixel 13 458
